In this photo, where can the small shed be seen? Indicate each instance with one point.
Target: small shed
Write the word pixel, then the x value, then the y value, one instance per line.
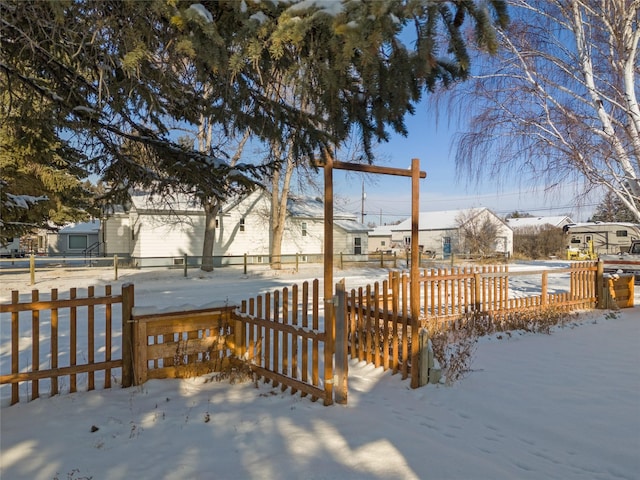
pixel 380 239
pixel 75 239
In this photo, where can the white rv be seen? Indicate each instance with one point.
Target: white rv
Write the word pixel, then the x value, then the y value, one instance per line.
pixel 603 237
pixel 11 249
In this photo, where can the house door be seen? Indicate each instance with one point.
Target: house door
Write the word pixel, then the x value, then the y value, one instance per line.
pixel 357 245
pixel 446 247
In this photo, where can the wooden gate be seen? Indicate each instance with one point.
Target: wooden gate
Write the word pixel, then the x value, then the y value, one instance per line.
pixel 283 338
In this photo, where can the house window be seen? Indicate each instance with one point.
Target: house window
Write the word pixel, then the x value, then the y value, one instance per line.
pixel 78 242
pixel 407 242
pixel 242 224
pixel 304 229
pixel 217 223
pixel 357 245
pixel 621 233
pixel 382 243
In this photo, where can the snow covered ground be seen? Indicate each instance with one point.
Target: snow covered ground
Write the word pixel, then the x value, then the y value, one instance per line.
pixel 560 406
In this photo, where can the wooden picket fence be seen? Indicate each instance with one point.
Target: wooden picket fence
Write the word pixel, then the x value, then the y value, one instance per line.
pixel 72 360
pixel 280 334
pixel 380 327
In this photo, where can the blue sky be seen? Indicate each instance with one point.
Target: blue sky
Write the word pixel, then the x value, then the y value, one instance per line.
pixel 389 198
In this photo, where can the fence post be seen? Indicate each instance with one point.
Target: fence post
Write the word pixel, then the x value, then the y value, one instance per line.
pixel 329 344
pixel 477 290
pixel 342 363
pixel 600 285
pixel 423 355
pixel 32 268
pixel 245 263
pixel 127 334
pixel 395 260
pixel 115 266
pixel 297 264
pixel 185 265
pixel 543 293
pixel 381 259
pixel 341 262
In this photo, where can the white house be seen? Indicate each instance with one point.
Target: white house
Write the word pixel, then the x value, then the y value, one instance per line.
pixel 558 221
pixel 439 232
pixel 150 228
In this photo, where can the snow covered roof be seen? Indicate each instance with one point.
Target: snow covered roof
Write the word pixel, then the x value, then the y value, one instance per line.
pixel 307 207
pixel 381 231
pixel 313 208
pixel 176 202
pixel 442 220
pixel 555 221
pixel 83 227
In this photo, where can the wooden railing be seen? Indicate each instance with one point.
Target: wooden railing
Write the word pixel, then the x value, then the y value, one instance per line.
pixel 49 360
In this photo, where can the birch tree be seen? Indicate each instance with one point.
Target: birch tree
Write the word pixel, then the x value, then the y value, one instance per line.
pixel 559 101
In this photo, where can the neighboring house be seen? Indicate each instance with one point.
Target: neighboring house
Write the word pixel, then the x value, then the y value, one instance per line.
pixel 558 221
pixel 149 228
pixel 439 232
pixel 380 239
pixel 75 239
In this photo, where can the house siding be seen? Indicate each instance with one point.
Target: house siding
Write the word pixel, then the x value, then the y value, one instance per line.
pixel 153 233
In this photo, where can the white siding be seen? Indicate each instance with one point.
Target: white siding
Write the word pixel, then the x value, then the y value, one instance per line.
pixel 116 235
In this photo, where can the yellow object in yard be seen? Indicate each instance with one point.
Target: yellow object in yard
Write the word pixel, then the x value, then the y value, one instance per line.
pixel 586 253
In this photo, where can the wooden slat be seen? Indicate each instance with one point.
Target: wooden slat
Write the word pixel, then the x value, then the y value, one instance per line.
pixel 15 346
pixel 35 345
pixel 108 337
pixel 54 341
pixel 57 304
pixel 91 344
pixel 73 339
pixel 14 378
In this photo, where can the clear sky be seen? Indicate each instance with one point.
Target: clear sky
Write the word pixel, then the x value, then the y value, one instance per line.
pixel 389 198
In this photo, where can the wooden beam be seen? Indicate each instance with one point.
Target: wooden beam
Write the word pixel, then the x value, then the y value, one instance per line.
pixel 366 168
pixel 414 294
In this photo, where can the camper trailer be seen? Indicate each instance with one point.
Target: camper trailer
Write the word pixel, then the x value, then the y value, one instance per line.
pixel 596 238
pixel 11 249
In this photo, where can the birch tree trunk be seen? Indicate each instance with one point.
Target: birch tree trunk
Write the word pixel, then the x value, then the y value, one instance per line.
pixel 558 103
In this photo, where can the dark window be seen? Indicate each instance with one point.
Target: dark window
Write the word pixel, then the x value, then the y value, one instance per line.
pixel 77 242
pixel 357 245
pixel 242 224
pixel 304 229
pixel 621 233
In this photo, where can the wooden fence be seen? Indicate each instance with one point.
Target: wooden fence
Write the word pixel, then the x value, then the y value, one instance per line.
pixel 380 324
pixel 280 334
pixel 49 361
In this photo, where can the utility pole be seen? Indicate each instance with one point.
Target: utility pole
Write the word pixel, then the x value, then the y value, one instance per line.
pixel 364 195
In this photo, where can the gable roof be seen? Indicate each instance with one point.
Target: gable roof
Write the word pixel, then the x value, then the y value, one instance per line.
pixel 382 231
pixel 555 221
pixel 313 208
pixel 442 220
pixel 92 227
